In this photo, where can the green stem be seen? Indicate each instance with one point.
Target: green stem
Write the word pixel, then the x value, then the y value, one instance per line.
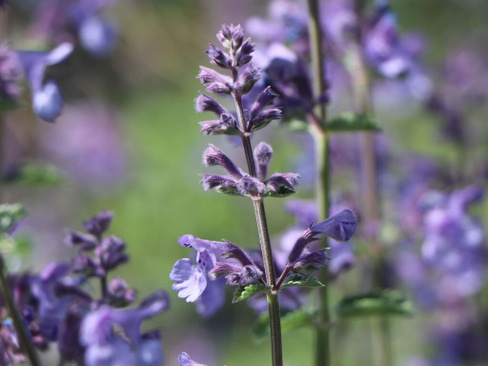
pixel 369 183
pixel 318 126
pixel 19 324
pixel 322 338
pixel 264 240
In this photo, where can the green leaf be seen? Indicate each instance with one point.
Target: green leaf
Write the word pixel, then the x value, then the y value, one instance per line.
pixel 298 125
pixel 38 174
pixel 9 215
pixel 290 320
pixel 382 303
pixel 245 292
pixel 282 192
pixel 299 280
pixel 350 122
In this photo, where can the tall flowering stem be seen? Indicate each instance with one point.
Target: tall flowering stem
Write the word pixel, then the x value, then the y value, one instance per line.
pixel 318 123
pixel 371 196
pixel 17 320
pixel 263 232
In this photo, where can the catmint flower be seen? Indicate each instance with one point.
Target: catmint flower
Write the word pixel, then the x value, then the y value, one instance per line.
pixel 313 261
pixel 104 346
pixel 230 36
pixel 98 36
pixel 185 360
pixel 202 281
pixel 218 57
pixel 214 156
pixel 453 245
pixel 382 45
pixel 340 253
pixel 111 253
pixel 53 291
pixel 119 293
pixel 248 78
pixel 85 242
pixel 46 99
pixel 263 154
pixel 226 123
pixel 339 227
pixel 215 82
pixel 261 117
pixel 98 224
pixel 241 272
pixel 250 186
pixel 306 238
pixel 190 279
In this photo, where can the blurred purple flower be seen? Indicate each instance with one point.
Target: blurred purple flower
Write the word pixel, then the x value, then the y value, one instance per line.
pixel 105 346
pixel 88 145
pixel 453 244
pixel 78 20
pixel 383 46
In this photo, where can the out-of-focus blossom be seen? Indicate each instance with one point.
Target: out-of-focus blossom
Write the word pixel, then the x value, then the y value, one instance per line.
pixel 453 245
pixel 382 44
pixel 46 97
pixel 88 145
pixel 80 20
pixel 105 346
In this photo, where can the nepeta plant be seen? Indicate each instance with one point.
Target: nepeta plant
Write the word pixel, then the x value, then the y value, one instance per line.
pixel 215 260
pixel 57 305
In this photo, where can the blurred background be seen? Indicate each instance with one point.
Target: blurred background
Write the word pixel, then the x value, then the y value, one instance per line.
pixel 128 141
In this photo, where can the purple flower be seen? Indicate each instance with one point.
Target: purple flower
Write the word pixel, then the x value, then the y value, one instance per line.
pixel 46 98
pixel 202 281
pixel 104 346
pixel 279 184
pixel 88 145
pixel 98 36
pixel 190 279
pixel 453 244
pixel 79 19
pixel 53 290
pixel 382 44
pixel 339 227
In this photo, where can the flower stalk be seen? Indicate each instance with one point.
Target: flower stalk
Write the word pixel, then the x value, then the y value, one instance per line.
pixel 263 233
pixel 25 341
pixel 321 138
pixel 371 198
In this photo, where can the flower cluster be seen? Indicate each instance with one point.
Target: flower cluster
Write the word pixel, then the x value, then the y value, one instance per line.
pixel 81 21
pixel 90 330
pixel 284 49
pixel 46 98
